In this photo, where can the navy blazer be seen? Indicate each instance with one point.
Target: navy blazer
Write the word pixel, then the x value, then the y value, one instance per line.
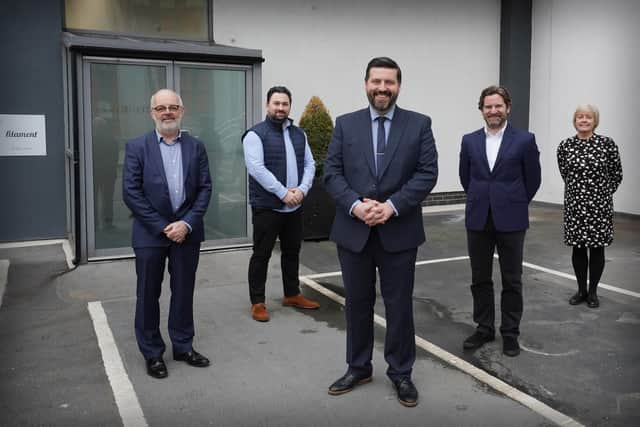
pixel 146 193
pixel 409 172
pixel 508 188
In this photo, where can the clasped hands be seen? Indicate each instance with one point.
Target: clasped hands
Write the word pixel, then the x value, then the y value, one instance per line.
pixel 176 231
pixel 373 212
pixel 293 197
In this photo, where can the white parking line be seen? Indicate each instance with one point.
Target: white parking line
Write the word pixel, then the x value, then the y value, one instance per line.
pixel 431 261
pixel 495 383
pixel 436 261
pixel 123 392
pixel 526 264
pixel 569 276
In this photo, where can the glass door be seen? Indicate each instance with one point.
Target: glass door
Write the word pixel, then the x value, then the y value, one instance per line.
pixel 215 100
pixel 116 96
pixel 116 103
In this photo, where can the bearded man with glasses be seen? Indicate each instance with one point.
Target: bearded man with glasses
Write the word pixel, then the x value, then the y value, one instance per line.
pixel 167 187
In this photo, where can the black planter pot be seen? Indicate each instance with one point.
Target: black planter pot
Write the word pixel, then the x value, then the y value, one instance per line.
pixel 318 212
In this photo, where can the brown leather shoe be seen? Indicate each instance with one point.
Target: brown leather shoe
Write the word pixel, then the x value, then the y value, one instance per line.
pixel 300 301
pixel 259 312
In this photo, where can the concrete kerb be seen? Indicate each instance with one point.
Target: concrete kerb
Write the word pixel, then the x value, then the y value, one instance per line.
pixel 66 248
pixel 4 273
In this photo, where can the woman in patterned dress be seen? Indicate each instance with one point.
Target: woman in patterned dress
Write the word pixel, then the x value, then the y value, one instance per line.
pixel 590 167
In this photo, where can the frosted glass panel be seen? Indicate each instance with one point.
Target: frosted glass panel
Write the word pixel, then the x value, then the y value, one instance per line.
pixel 119 112
pixel 215 113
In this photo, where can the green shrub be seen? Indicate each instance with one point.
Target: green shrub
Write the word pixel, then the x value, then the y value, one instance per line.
pixel 318 126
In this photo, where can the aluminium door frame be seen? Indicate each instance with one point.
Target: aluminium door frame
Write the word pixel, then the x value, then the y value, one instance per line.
pixel 87 196
pixel 237 242
pixel 86 220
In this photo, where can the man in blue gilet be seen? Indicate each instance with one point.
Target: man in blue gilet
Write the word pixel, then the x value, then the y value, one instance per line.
pixel 281 170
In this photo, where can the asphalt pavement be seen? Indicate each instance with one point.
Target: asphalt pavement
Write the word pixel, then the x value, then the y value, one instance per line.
pixel 69 355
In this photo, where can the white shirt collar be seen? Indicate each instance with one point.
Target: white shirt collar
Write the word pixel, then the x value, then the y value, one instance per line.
pixel 499 134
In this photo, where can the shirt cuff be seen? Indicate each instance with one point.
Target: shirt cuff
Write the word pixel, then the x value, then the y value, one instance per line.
pixel 188 225
pixel 305 189
pixel 282 193
pixel 353 206
pixel 393 206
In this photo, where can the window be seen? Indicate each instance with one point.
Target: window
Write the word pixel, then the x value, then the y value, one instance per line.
pixel 169 19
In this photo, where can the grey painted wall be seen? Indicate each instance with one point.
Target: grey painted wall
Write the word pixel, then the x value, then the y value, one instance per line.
pixel 515 57
pixel 33 188
pixel 586 51
pixel 448 51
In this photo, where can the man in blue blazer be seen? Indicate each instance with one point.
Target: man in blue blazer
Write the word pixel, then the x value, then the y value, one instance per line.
pixel 167 187
pixel 380 166
pixel 500 172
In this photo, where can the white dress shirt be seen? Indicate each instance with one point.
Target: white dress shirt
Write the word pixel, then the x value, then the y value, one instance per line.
pixel 493 142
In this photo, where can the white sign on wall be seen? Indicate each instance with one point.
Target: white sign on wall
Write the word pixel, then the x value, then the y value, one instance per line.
pixel 22 135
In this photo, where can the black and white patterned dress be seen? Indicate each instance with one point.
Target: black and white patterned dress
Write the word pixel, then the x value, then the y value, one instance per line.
pixel 592 171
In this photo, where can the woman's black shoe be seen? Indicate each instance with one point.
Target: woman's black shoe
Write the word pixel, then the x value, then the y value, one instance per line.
pixel 592 301
pixel 578 298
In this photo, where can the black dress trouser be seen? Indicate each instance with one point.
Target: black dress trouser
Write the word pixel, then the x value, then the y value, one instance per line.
pixel 397 275
pixel 268 225
pixel 481 246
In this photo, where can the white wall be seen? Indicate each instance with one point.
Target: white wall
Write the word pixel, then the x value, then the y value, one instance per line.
pixel 587 51
pixel 448 52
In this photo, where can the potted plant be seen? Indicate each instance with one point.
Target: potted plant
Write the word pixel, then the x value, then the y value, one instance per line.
pixel 319 207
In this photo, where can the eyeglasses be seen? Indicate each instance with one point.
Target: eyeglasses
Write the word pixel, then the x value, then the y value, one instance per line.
pixel 162 108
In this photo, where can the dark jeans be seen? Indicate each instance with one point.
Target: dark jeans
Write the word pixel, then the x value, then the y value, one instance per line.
pixel 593 263
pixel 267 226
pixel 481 246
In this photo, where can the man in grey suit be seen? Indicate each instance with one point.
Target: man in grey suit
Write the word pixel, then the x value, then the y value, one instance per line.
pixel 381 165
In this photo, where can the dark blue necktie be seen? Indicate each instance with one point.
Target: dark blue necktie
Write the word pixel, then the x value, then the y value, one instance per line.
pixel 381 143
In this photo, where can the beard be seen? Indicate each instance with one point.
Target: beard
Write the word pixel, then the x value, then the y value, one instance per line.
pixel 382 104
pixel 278 117
pixel 169 126
pixel 496 121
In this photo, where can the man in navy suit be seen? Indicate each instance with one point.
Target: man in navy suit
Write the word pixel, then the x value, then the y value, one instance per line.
pixel 380 166
pixel 167 187
pixel 500 172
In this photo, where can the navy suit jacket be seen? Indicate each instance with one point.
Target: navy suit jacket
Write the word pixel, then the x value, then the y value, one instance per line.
pixel 409 170
pixel 146 193
pixel 508 188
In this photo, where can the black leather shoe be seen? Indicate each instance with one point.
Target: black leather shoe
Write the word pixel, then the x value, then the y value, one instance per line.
pixel 193 358
pixel 593 301
pixel 510 346
pixel 346 383
pixel 156 367
pixel 578 298
pixel 477 340
pixel 407 393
